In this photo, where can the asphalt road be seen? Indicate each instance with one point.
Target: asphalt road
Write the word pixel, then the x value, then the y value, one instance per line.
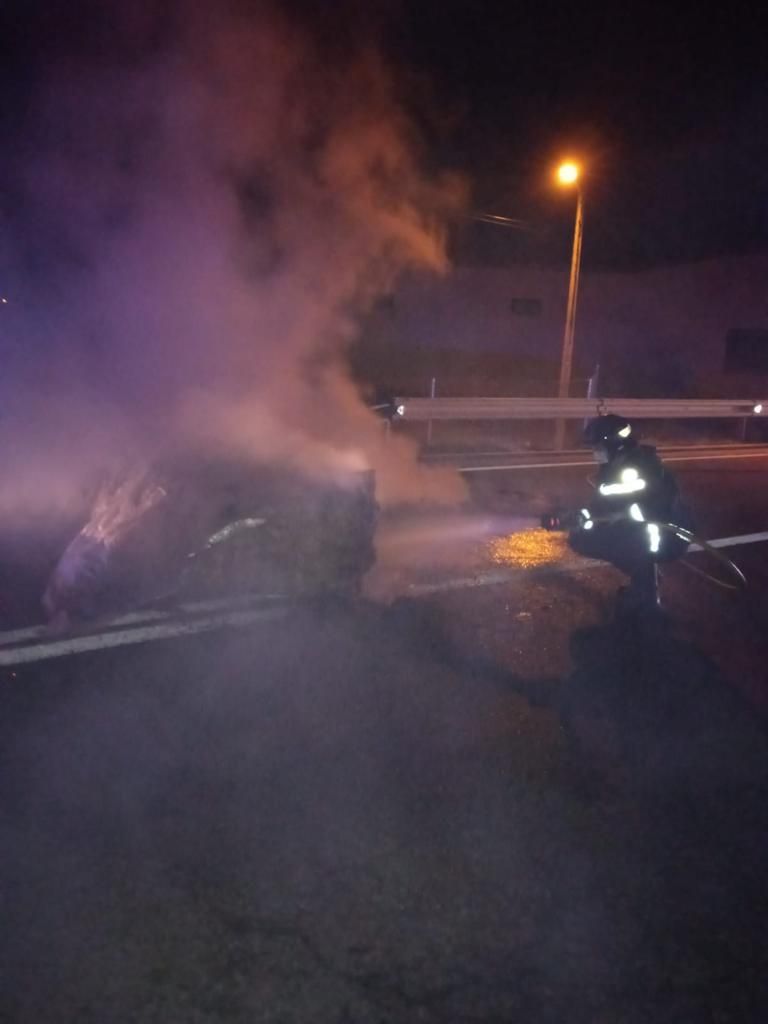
pixel 726 491
pixel 728 496
pixel 724 484
pixel 491 803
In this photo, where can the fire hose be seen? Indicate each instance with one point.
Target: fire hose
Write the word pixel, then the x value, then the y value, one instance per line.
pixel 576 520
pixel 692 538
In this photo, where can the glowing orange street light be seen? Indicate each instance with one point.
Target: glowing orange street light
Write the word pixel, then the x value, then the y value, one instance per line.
pixel 568 175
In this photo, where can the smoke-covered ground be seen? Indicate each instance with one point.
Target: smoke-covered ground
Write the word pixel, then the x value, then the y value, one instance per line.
pixel 484 808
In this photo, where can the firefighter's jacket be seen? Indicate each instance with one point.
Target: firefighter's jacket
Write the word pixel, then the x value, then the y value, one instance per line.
pixel 636 500
pixel 636 484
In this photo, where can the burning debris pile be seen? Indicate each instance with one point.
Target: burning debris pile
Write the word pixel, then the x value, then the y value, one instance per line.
pixel 214 207
pixel 195 529
pixel 290 536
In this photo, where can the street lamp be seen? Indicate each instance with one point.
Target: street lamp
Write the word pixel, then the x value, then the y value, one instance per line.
pixel 569 175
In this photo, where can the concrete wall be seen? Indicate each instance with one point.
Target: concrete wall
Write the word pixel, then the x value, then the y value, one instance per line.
pixel 650 326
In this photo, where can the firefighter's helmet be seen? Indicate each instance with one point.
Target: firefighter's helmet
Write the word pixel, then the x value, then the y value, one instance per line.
pixel 612 433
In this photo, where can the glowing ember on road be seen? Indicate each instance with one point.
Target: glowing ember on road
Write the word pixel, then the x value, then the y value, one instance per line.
pixel 529 548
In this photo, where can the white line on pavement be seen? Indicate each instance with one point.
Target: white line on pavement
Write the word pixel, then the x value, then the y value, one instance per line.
pixel 57 648
pixel 142 627
pixel 528 465
pixel 730 542
pixel 15 636
pixel 589 462
pixel 731 446
pixel 490 577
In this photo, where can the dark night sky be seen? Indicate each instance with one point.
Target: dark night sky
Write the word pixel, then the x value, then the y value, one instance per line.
pixel 666 105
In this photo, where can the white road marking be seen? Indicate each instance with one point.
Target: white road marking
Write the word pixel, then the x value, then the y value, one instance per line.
pixel 15 636
pixel 733 446
pixel 491 577
pixel 590 462
pixel 730 542
pixel 58 648
pixel 662 449
pixel 240 611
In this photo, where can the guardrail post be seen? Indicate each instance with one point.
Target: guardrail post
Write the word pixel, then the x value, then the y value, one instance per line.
pixel 432 390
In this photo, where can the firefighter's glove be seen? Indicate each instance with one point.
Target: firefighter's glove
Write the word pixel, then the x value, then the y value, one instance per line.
pixel 566 520
pixel 552 521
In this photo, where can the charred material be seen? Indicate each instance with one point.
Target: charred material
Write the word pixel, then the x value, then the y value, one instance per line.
pixel 193 529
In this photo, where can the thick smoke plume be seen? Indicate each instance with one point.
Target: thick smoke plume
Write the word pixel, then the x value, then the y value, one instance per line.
pixel 201 232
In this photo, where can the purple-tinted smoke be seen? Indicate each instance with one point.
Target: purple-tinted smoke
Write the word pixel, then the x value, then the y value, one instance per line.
pixel 212 223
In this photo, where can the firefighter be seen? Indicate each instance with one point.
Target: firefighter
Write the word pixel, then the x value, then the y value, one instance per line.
pixel 626 523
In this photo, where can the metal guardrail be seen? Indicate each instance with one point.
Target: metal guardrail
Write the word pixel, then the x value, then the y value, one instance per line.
pixel 425 409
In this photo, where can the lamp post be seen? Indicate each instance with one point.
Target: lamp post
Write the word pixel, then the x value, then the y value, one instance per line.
pixel 568 175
